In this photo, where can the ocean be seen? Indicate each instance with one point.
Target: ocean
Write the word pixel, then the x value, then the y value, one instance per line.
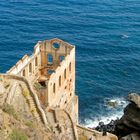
pixel 106 34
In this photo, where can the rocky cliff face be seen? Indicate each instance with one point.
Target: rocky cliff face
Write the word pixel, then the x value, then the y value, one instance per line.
pixel 20 115
pixel 129 124
pixel 14 127
pixel 128 127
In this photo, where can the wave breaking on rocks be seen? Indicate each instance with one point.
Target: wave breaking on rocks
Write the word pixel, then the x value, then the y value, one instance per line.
pixel 128 126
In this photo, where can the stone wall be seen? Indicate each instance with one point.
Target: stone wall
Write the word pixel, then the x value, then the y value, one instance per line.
pixel 61 82
pixel 61 85
pixel 53 66
pixel 90 134
pixel 28 66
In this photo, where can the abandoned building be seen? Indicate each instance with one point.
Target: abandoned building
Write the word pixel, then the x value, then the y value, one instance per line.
pixel 53 66
pixel 43 85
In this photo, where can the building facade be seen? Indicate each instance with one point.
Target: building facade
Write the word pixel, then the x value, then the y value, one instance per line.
pixel 52 66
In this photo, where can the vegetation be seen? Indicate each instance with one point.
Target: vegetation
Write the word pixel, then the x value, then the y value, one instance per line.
pixel 10 110
pixel 1 133
pixel 0 79
pixel 26 93
pixel 18 135
pixel 37 86
pixel 33 110
pixel 82 137
pixel 94 134
pixel 30 124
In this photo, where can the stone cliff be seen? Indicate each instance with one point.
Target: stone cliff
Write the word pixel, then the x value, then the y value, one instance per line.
pixel 129 125
pixel 21 117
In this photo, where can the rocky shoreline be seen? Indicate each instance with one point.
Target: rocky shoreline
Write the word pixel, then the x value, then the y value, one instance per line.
pixel 128 126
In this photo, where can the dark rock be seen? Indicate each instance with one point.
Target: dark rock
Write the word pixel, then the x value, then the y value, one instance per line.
pixel 133 136
pixel 101 124
pixel 128 127
pixel 113 104
pixel 110 127
pixel 130 121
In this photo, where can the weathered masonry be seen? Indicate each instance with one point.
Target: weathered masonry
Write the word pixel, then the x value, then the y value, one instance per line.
pixel 52 65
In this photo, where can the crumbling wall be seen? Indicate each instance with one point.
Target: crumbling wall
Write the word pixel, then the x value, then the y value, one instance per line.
pixel 61 86
pixel 55 49
pixel 28 66
pixel 90 134
pixel 53 65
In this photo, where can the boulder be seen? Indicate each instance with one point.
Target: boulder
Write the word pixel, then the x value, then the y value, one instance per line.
pixel 130 121
pixel 134 98
pixel 112 103
pixel 133 136
pixel 110 127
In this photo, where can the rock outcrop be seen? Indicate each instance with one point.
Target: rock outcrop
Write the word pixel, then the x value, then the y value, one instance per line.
pixel 133 136
pixel 130 121
pixel 128 127
pixel 104 128
pixel 17 128
pixel 134 98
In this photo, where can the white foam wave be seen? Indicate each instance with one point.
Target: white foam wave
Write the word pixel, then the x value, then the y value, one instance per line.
pixel 121 102
pixel 124 36
pixel 115 114
pixel 94 123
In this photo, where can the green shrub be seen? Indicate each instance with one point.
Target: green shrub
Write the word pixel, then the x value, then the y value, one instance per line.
pixel 94 134
pixel 37 86
pixel 10 110
pixel 26 93
pixel 30 124
pixel 1 79
pixel 18 135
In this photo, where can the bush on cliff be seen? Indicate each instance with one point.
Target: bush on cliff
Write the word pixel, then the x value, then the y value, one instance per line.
pixel 18 135
pixel 10 110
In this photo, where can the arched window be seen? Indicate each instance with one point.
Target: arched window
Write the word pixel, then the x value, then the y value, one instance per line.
pixel 50 58
pixel 51 71
pixel 36 61
pixel 70 67
pixel 30 67
pixel 54 88
pixel 61 57
pixel 59 80
pixel 65 74
pixel 24 74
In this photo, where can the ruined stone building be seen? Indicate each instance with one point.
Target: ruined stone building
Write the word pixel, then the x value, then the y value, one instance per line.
pixel 53 66
pixel 42 86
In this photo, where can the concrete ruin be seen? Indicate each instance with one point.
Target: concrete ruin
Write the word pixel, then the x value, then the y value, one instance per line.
pixel 53 66
pixel 46 81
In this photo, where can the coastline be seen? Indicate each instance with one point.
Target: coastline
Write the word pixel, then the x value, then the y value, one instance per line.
pixel 115 112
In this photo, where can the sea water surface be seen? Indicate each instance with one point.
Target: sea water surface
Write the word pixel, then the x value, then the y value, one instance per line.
pixel 106 34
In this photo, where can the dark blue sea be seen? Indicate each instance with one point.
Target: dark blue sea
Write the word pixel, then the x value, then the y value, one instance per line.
pixel 106 34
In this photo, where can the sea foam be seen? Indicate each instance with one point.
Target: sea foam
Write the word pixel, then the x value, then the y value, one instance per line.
pixel 115 113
